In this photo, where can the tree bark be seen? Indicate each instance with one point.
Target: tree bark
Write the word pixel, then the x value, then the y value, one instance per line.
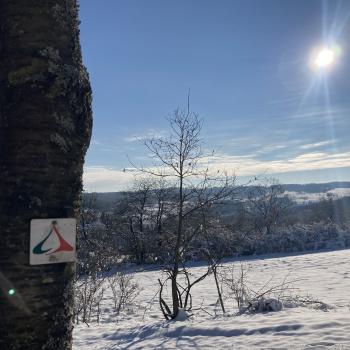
pixel 45 128
pixel 177 258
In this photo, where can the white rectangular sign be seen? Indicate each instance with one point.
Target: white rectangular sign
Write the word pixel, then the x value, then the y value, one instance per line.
pixel 52 241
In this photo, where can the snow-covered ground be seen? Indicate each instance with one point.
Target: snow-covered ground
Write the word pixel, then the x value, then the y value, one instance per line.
pixel 325 276
pixel 303 197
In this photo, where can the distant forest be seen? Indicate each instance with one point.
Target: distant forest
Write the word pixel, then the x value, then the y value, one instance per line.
pixel 137 226
pixel 106 200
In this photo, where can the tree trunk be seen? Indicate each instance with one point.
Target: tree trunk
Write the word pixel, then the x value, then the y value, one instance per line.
pixel 215 273
pixel 45 128
pixel 175 270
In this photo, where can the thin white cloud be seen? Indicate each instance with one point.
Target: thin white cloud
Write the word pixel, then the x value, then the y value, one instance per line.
pixel 316 145
pixel 270 148
pixel 317 114
pixel 287 99
pixel 104 179
pixel 151 133
pixel 252 166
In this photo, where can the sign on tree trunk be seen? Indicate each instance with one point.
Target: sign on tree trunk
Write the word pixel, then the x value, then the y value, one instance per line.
pixel 52 241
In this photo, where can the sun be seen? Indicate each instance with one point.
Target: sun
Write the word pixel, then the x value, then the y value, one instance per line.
pixel 324 58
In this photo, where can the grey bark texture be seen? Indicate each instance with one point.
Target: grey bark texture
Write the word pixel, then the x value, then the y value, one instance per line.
pixel 45 129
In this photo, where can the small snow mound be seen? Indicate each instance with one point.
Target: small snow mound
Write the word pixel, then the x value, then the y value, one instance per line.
pixel 182 315
pixel 269 304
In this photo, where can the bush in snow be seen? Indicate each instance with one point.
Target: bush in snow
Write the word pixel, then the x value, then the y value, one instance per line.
pixel 271 297
pixel 306 301
pixel 89 292
pixel 296 238
pixel 246 294
pixel 124 290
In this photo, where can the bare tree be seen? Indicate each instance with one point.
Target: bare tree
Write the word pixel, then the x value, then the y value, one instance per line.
pixel 179 160
pixel 162 210
pixel 266 206
pixel 87 213
pixel 131 219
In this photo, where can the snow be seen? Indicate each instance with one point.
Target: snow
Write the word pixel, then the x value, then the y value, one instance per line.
pixel 325 276
pixel 269 304
pixel 182 315
pixel 340 192
pixel 304 197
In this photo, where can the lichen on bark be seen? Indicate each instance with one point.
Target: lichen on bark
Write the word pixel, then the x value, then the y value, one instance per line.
pixel 45 129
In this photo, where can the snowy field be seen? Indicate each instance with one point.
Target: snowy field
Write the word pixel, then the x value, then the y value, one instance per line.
pixel 325 276
pixel 304 198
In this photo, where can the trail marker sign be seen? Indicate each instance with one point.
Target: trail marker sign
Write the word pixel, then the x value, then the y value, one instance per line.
pixel 52 241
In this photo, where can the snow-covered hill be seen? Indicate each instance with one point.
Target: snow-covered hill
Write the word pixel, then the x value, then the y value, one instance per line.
pixel 304 197
pixel 325 276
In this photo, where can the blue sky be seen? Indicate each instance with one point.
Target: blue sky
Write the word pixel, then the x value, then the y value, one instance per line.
pixel 266 109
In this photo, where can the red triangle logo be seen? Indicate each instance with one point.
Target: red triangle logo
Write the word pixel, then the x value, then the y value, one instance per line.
pixel 64 245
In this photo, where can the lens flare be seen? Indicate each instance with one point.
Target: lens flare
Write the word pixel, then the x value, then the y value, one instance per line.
pixel 325 58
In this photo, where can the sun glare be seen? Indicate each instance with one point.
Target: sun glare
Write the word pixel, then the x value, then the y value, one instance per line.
pixel 324 58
